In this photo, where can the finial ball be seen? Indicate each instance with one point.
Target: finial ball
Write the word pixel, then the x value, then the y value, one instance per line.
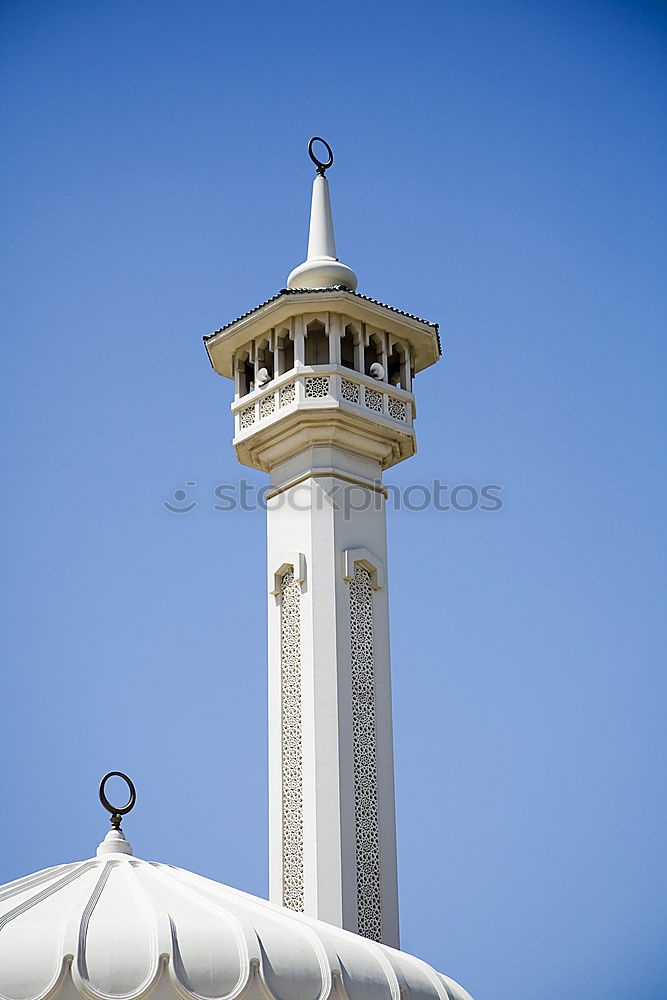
pixel 321 165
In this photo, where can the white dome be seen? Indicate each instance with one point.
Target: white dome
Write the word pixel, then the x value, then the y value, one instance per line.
pixel 119 927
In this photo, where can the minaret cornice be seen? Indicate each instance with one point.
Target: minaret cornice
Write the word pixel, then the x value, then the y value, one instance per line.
pixel 422 335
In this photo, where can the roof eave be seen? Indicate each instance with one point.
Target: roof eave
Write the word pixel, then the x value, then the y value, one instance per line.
pixel 281 306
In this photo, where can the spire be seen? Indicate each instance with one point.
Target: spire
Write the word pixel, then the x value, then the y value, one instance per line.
pixel 321 269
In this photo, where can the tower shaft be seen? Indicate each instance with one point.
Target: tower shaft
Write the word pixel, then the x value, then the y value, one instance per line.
pixel 331 780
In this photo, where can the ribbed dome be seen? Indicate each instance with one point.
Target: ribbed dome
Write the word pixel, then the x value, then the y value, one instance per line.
pixel 118 927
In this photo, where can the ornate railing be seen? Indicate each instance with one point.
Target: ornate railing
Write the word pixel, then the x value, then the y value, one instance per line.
pixel 322 386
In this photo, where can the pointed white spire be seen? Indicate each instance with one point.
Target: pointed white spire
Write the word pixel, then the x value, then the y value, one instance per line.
pixel 321 240
pixel 321 269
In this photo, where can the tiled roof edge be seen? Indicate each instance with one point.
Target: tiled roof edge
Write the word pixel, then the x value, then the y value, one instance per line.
pixel 333 288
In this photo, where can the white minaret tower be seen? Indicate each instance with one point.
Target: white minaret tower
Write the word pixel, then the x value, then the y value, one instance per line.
pixel 323 403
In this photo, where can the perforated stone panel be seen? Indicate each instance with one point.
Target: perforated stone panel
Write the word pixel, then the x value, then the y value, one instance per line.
pixel 267 406
pixel 292 764
pixel 369 911
pixel 288 394
pixel 349 390
pixel 396 408
pixel 317 388
pixel 373 400
pixel 247 417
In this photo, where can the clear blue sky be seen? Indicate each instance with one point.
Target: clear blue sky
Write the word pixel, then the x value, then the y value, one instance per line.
pixel 500 168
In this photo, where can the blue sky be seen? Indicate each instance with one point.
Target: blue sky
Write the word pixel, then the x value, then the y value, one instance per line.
pixel 500 169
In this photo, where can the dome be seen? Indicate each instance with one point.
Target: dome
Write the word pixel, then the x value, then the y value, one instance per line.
pixel 115 927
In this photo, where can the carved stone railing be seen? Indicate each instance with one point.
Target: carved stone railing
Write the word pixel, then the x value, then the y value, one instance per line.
pixel 322 386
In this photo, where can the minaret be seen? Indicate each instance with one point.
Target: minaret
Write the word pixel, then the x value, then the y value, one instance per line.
pixel 323 403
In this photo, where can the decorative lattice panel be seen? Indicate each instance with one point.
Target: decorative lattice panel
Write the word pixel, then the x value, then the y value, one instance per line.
pixel 369 913
pixel 247 417
pixel 292 750
pixel 317 388
pixel 397 408
pixel 288 394
pixel 267 406
pixel 373 400
pixel 349 391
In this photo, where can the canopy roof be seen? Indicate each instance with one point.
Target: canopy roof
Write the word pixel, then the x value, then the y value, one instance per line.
pixel 422 335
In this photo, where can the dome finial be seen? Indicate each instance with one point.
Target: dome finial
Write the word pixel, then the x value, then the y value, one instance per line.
pixel 115 842
pixel 321 269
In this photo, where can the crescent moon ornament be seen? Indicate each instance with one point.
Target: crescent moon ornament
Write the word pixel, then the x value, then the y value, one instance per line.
pixel 117 812
pixel 320 164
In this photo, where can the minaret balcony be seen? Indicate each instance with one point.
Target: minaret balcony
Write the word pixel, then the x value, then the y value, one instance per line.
pixel 318 404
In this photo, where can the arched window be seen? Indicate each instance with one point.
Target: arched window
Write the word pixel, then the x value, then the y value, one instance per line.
pixel 264 360
pixel 284 352
pixel 246 375
pixel 347 348
pixel 395 374
pixel 317 344
pixel 288 355
pixel 373 353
